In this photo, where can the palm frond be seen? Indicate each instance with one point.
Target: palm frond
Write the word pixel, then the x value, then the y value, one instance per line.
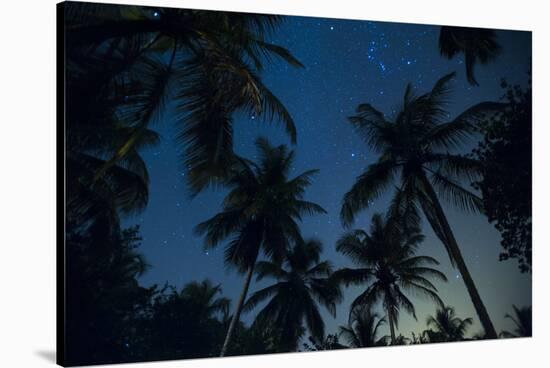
pixel 313 318
pixel 455 194
pixel 350 276
pixel 371 125
pixel 260 296
pixel 454 134
pixel 269 269
pixel 367 187
pixel 326 292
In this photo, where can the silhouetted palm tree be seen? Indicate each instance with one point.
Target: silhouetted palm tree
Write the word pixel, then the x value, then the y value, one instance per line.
pixel 204 297
pixel 362 328
pixel 302 284
pixel 389 266
pixel 447 325
pixel 477 45
pixel 207 63
pixel 122 189
pixel 415 150
pixel 524 323
pixel 260 213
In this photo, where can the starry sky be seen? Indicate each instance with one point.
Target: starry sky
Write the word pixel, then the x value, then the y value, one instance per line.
pixel 347 62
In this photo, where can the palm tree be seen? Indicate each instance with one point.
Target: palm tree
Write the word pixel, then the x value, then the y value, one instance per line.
pixel 137 59
pixel 302 284
pixel 448 327
pixel 121 189
pixel 387 262
pixel 203 296
pixel 415 150
pixel 524 323
pixel 362 328
pixel 260 213
pixel 477 45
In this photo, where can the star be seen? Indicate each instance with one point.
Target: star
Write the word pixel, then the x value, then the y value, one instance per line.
pixel 331 28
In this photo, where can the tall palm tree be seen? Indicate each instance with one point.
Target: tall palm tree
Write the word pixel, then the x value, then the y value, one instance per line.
pixel 260 213
pixel 477 45
pixel 302 284
pixel 524 323
pixel 207 63
pixel 388 265
pixel 448 327
pixel 415 154
pixel 362 329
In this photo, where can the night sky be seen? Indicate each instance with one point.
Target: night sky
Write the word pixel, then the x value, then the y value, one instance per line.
pixel 347 62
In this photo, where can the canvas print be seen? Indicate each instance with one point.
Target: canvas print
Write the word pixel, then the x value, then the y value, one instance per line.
pixel 237 183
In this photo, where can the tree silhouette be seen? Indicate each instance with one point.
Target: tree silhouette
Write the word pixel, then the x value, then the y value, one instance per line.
pixel 330 342
pixel 477 44
pixel 260 213
pixel 506 183
pixel 388 265
pixel 448 327
pixel 181 324
pixel 523 320
pixel 206 64
pixel 302 284
pixel 415 148
pixel 103 297
pixel 363 327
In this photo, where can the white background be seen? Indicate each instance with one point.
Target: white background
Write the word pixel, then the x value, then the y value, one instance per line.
pixel 27 185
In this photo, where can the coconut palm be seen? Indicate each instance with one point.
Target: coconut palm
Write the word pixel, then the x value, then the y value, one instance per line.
pixel 415 154
pixel 448 327
pixel 260 214
pixel 122 189
pixel 302 286
pixel 524 323
pixel 206 63
pixel 204 300
pixel 388 265
pixel 362 329
pixel 477 45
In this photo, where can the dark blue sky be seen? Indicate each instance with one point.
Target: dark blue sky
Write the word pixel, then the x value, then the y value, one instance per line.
pixel 347 63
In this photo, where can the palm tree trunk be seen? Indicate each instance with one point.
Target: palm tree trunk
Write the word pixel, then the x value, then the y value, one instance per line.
pixel 456 255
pixel 392 331
pixel 392 327
pixel 238 309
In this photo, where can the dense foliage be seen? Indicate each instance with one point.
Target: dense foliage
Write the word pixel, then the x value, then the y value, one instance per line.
pixel 506 185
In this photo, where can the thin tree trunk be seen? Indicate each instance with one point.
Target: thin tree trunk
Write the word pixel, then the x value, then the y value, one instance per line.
pixel 238 309
pixel 392 327
pixel 392 331
pixel 456 255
